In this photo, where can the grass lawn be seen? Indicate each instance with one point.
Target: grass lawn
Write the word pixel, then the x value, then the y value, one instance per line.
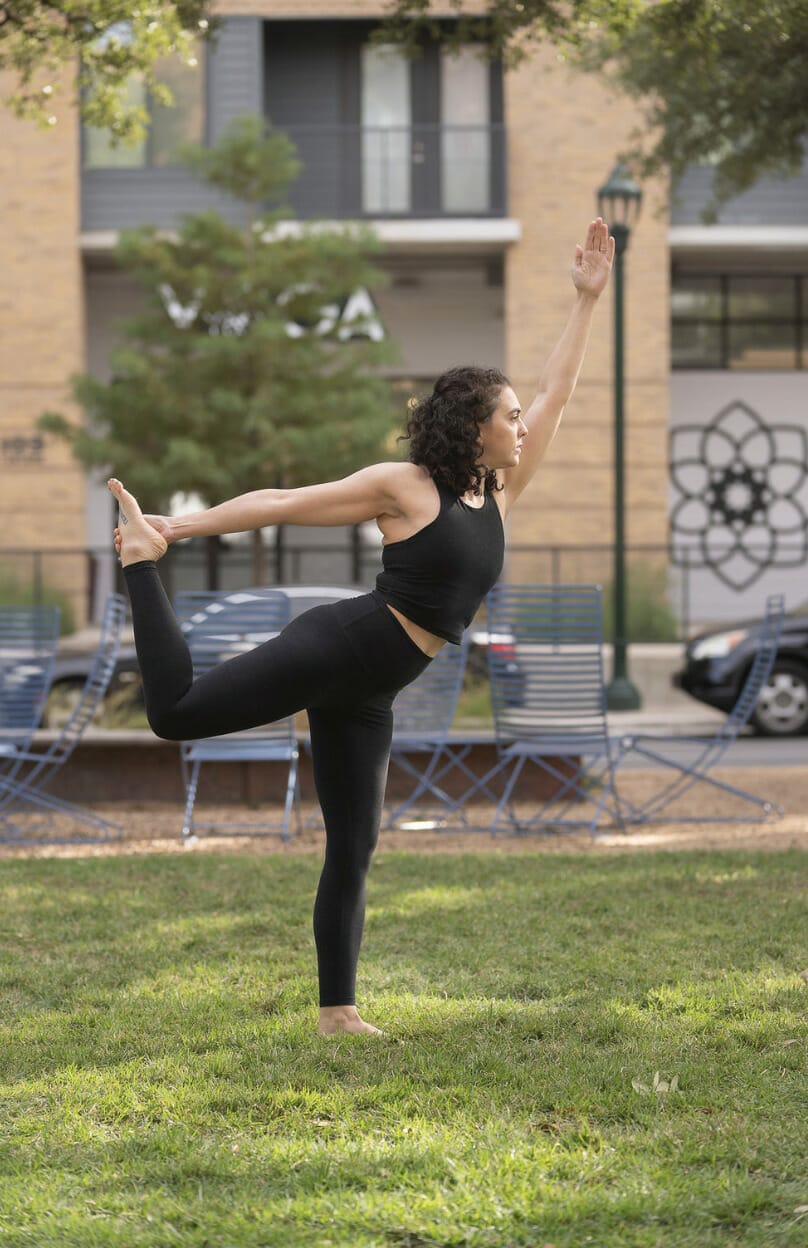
pixel 162 1083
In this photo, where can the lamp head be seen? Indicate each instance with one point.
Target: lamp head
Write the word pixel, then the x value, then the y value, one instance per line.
pixel 620 198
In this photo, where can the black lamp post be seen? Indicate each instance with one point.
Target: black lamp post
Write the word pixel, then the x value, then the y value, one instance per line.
pixel 619 204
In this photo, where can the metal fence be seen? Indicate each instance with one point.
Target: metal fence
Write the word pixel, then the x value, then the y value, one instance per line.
pixel 670 595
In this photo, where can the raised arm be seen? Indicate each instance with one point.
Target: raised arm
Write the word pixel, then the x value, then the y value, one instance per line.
pixel 364 495
pixel 590 273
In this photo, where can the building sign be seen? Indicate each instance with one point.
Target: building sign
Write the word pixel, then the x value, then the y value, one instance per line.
pixel 22 448
pixel 355 317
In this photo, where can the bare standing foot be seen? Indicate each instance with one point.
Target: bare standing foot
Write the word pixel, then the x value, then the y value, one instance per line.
pixel 344 1018
pixel 135 538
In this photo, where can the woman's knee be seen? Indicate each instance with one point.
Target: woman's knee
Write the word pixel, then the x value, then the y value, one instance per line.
pixel 351 856
pixel 168 725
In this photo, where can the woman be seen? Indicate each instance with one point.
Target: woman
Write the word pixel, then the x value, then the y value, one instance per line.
pixel 441 515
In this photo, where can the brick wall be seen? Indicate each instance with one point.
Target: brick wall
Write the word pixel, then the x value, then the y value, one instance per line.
pixel 564 133
pixel 41 332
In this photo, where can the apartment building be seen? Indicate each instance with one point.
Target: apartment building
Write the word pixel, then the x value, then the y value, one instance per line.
pixel 479 183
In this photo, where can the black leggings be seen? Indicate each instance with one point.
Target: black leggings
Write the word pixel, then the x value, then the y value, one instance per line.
pixel 344 663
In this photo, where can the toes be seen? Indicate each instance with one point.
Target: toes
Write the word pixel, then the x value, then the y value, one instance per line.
pixel 125 499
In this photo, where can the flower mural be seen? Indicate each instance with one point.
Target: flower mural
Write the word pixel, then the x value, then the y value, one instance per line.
pixel 740 495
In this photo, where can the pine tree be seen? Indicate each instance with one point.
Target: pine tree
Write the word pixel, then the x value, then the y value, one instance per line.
pixel 246 368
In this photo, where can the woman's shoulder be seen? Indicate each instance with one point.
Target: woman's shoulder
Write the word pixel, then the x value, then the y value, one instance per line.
pixel 408 485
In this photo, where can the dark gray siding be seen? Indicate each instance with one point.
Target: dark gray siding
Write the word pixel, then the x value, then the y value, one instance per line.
pixel 236 72
pixel 113 199
pixel 771 201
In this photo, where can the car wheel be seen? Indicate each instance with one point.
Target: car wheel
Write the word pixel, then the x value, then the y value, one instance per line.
pixel 782 708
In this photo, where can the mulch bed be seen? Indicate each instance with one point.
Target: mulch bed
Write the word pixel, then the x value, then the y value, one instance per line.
pixel 151 827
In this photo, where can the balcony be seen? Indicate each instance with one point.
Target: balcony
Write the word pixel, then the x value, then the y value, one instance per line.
pixel 413 171
pixel 397 174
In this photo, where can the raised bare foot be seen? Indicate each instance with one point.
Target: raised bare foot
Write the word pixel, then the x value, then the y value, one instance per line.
pixel 135 539
pixel 344 1018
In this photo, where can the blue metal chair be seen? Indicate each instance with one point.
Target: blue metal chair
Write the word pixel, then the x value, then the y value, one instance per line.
pixel 706 752
pixel 422 716
pixel 218 626
pixel 26 798
pixel 28 640
pixel 553 713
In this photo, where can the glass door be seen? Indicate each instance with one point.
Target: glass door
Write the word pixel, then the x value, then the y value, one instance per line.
pixel 465 132
pixel 385 119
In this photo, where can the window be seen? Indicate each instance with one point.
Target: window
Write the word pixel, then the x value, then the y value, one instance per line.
pixel 739 321
pixel 466 134
pixel 169 126
pixel 385 118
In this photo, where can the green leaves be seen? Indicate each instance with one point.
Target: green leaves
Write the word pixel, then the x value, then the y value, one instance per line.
pixel 114 41
pixel 718 83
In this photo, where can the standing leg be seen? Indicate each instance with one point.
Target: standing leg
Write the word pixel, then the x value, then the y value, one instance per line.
pixel 350 753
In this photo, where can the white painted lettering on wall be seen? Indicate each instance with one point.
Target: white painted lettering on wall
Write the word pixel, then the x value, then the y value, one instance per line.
pixel 356 317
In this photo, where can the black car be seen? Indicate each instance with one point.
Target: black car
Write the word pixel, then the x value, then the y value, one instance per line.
pixel 717 663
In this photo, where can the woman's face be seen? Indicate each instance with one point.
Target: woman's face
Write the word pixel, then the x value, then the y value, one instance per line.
pixel 502 434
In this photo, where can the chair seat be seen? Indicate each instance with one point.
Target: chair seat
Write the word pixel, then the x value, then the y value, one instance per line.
pixel 219 625
pixel 216 749
pixel 558 745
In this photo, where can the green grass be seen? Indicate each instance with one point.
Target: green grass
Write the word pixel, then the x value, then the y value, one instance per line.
pixel 162 1084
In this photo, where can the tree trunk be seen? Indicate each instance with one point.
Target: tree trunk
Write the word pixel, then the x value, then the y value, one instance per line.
pixel 212 563
pixel 259 573
pixel 356 554
pixel 279 568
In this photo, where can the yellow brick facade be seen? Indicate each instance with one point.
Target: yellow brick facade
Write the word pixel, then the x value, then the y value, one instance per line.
pixel 41 339
pixel 564 133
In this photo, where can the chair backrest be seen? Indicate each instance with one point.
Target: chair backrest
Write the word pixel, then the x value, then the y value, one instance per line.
pixel 28 641
pixel 426 708
pixel 545 661
pixel 97 680
pixel 218 625
pixel 759 672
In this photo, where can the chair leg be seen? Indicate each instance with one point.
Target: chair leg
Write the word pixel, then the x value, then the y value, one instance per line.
pixel 648 811
pixel 291 789
pixel 509 787
pixel 59 806
pixel 190 798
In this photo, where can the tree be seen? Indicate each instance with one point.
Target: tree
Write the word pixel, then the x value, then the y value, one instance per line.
pixel 719 81
pixel 247 368
pixel 109 40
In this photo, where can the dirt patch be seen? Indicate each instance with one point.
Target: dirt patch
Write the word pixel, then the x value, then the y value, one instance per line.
pixel 150 828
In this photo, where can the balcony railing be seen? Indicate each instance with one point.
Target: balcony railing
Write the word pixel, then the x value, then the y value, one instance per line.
pixel 399 171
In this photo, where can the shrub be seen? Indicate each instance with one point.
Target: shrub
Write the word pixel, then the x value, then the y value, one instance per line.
pixel 17 593
pixel 648 613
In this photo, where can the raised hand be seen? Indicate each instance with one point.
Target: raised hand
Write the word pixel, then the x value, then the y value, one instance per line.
pixel 593 261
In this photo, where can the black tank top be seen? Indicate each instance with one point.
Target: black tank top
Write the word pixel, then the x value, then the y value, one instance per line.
pixel 440 575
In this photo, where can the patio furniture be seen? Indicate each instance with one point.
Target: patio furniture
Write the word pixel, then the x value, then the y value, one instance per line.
pixel 26 808
pixel 422 716
pixel 707 752
pixel 553 714
pixel 28 640
pixel 218 626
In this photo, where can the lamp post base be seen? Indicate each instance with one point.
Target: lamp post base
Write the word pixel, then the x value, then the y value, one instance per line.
pixel 621 695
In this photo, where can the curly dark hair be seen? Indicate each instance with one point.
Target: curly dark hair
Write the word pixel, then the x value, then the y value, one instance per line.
pixel 443 427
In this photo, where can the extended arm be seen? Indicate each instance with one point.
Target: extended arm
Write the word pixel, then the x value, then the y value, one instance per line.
pixel 362 496
pixel 558 379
